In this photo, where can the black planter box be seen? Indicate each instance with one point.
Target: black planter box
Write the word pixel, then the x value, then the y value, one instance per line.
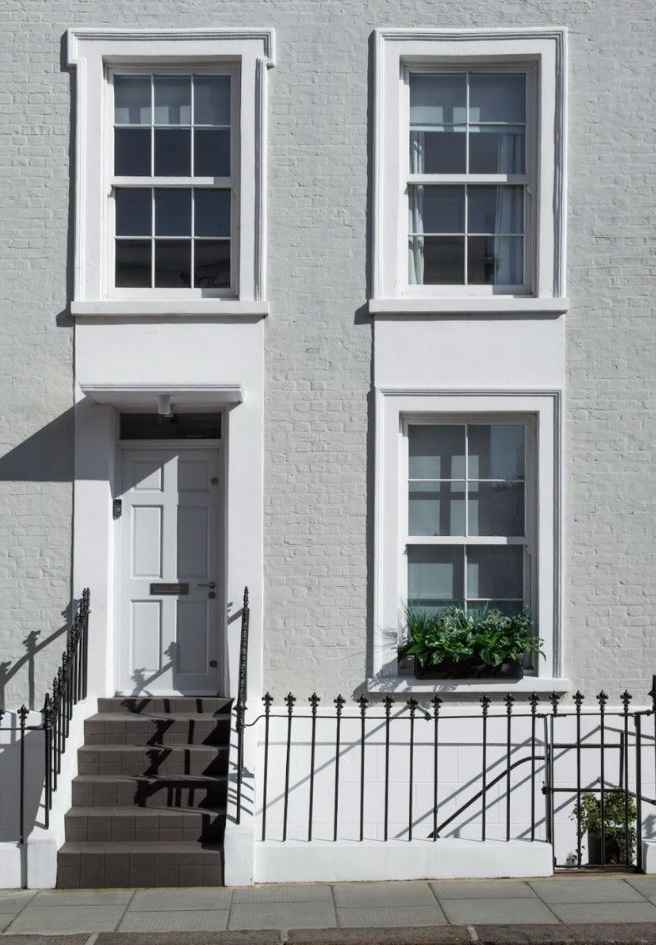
pixel 470 668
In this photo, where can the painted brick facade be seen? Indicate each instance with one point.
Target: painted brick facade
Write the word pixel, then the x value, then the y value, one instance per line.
pixel 318 338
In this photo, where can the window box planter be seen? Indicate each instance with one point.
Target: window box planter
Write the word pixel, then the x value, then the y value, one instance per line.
pixel 471 667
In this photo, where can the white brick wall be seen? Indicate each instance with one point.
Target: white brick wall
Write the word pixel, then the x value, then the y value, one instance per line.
pixel 318 341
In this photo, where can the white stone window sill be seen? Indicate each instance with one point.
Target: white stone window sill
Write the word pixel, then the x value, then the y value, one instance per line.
pixel 491 305
pixel 410 685
pixel 128 308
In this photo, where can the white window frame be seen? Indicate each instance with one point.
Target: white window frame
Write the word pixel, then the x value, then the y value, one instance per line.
pixel 395 410
pixel 541 54
pixel 187 183
pixel 247 54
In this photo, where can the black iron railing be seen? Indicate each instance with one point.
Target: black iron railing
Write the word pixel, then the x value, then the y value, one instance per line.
pixel 69 686
pixel 240 705
pixel 542 762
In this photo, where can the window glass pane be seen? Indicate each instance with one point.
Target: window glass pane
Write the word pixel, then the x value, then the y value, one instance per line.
pixel 496 149
pixel 172 152
pixel 497 97
pixel 509 608
pixel 436 508
pixel 133 264
pixel 437 99
pixel 442 150
pixel 495 209
pixel 172 99
pixel 496 508
pixel 437 209
pixel 172 212
pixel 133 211
pixel 212 100
pixel 495 572
pixel 173 263
pixel 211 212
pixel 132 152
pixel 436 451
pixel 435 577
pixel 153 426
pixel 212 153
pixel 132 99
pixel 437 260
pixel 212 264
pixel 495 260
pixel 496 451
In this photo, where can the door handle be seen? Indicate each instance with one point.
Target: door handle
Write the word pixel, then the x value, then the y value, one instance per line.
pixel 211 585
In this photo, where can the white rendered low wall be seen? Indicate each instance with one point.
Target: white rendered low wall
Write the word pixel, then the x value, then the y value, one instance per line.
pixel 343 846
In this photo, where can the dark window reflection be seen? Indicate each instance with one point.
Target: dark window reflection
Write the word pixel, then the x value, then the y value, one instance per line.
pixel 172 152
pixel 133 211
pixel 212 153
pixel 132 152
pixel 172 212
pixel 133 264
pixel 173 264
pixel 212 264
pixel 212 212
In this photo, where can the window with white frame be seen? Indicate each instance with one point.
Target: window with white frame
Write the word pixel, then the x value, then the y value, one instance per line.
pixel 469 171
pixel 468 187
pixel 170 143
pixel 469 514
pixel 172 183
pixel 468 510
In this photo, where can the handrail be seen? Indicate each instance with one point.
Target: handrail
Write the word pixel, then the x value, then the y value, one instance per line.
pixel 69 686
pixel 240 707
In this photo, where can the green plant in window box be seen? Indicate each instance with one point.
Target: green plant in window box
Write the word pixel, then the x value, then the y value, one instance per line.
pixel 459 644
pixel 619 826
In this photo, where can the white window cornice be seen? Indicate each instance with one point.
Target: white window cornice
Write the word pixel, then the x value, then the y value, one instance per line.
pixel 90 52
pixel 544 49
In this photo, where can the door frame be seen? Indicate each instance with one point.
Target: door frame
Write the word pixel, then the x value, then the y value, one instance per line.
pixel 217 445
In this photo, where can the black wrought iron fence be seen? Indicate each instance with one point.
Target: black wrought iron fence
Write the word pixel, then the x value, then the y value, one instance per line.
pixel 549 768
pixel 240 705
pixel 69 686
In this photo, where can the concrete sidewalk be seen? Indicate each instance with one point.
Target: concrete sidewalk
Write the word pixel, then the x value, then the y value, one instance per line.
pixel 574 908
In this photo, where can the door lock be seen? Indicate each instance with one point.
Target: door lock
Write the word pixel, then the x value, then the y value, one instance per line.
pixel 211 585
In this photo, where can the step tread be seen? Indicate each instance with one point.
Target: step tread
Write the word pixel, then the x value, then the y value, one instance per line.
pixel 103 749
pixel 132 717
pixel 192 780
pixel 144 811
pixel 154 847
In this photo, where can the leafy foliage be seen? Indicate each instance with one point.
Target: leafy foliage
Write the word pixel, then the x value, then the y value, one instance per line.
pixel 454 634
pixel 616 806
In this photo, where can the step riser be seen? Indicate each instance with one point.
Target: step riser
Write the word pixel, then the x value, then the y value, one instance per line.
pixel 158 764
pixel 131 794
pixel 128 828
pixel 210 705
pixel 149 732
pixel 121 870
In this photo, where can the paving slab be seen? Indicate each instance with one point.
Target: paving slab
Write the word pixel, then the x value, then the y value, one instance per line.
pixel 196 920
pixel 13 900
pixel 501 911
pixel 486 889
pixel 596 912
pixel 68 919
pixel 279 915
pixel 577 889
pixel 646 887
pixel 180 900
pixel 384 894
pixel 298 893
pixel 389 916
pixel 45 939
pixel 82 897
pixel 411 935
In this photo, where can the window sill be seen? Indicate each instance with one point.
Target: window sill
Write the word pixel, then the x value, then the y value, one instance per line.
pixel 410 685
pixel 128 308
pixel 469 306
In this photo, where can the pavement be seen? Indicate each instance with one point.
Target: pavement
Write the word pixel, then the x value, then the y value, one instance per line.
pixel 576 909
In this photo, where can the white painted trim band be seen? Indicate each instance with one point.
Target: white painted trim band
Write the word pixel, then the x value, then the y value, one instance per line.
pixel 138 308
pixel 468 306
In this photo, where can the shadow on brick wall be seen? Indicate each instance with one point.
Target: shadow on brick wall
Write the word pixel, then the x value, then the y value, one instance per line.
pixel 46 456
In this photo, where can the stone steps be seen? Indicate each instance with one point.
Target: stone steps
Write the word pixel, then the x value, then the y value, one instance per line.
pixel 149 800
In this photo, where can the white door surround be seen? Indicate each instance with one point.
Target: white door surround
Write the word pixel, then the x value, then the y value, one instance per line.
pixel 170 579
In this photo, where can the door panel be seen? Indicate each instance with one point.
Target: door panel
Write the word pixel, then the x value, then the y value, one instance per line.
pixel 169 535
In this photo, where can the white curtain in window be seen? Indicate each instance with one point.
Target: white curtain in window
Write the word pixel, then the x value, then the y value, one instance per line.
pixel 416 206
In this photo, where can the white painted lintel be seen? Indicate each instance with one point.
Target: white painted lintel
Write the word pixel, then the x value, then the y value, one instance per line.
pixel 157 308
pixel 469 306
